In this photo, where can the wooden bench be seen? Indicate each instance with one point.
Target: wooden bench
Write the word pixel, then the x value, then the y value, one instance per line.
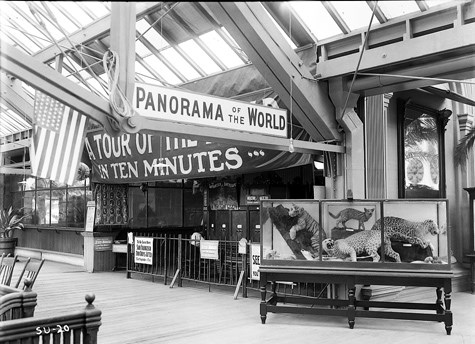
pixel 17 303
pixel 78 327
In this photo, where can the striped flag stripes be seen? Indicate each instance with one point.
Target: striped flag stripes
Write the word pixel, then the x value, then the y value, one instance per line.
pixel 58 139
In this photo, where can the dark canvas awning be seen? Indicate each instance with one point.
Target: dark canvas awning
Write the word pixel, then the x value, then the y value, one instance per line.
pixel 145 156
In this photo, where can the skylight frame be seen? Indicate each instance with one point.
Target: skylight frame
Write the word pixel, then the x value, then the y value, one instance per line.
pixel 393 9
pixel 316 18
pixel 223 51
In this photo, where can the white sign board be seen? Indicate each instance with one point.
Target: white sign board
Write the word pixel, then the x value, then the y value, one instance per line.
pixel 143 250
pixel 255 261
pixel 175 105
pixel 90 216
pixel 209 249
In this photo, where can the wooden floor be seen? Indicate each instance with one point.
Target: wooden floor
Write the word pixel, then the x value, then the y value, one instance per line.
pixel 141 311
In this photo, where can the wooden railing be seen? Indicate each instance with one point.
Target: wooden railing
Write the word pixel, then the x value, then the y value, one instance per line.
pixel 16 303
pixel 79 327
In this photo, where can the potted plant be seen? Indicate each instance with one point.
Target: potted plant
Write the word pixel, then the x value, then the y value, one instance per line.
pixel 9 221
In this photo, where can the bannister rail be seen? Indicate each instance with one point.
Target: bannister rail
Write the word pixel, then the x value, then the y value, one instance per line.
pixel 79 327
pixel 17 303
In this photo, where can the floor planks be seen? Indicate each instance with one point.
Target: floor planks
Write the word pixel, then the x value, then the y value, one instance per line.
pixel 140 311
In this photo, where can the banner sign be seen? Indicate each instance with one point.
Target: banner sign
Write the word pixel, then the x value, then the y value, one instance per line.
pixel 143 253
pixel 145 156
pixel 175 105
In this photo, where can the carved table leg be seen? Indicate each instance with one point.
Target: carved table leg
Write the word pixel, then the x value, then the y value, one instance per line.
pixel 438 302
pixel 351 306
pixel 263 306
pixel 448 312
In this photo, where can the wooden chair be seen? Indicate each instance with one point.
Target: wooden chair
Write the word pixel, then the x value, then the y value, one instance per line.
pixel 30 270
pixel 7 265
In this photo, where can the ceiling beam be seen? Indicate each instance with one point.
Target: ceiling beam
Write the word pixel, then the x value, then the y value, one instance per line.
pixel 421 75
pixel 203 133
pixel 45 79
pixel 457 41
pixel 95 30
pixel 14 100
pixel 449 95
pixel 257 35
pixel 9 170
pixel 20 144
pixel 49 81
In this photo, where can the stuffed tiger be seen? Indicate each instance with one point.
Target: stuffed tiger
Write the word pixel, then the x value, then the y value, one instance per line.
pixel 305 222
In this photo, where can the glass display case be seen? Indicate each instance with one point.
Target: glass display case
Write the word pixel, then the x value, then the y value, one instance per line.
pixel 397 233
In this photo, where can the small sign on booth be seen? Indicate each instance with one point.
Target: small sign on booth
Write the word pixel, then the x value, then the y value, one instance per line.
pixel 102 243
pixel 209 249
pixel 90 216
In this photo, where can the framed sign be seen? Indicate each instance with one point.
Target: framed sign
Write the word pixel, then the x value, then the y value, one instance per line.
pixel 209 249
pixel 90 216
pixel 255 261
pixel 143 250
pixel 103 244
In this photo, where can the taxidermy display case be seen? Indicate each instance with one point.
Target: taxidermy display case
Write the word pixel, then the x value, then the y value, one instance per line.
pixel 394 234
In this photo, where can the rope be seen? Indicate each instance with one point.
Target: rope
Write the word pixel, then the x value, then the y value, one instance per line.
pixel 359 60
pixel 122 107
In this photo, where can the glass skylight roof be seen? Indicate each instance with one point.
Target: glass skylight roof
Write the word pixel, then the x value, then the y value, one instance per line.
pixel 200 57
pixel 183 54
pixel 317 18
pixel 392 9
pixel 356 14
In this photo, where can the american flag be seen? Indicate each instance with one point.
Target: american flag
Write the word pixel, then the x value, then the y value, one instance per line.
pixel 58 138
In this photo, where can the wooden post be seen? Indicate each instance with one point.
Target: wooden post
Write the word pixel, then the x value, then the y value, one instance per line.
pixel 92 319
pixel 180 259
pixel 123 18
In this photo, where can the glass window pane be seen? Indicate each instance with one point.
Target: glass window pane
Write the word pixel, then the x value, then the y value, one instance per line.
pixel 434 3
pixel 356 14
pixel 392 9
pixel 169 207
pixel 180 63
pixel 58 207
pixel 28 206
pixel 25 28
pixel 141 49
pixel 66 24
pixel 151 35
pixel 222 50
pixel 421 155
pixel 138 211
pixel 43 207
pixel 200 57
pixel 96 7
pixel 76 207
pixel 164 71
pixel 42 183
pixel 193 205
pixel 75 11
pixel 317 18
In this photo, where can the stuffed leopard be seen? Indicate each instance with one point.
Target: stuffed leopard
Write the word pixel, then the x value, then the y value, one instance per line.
pixel 358 243
pixel 397 228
